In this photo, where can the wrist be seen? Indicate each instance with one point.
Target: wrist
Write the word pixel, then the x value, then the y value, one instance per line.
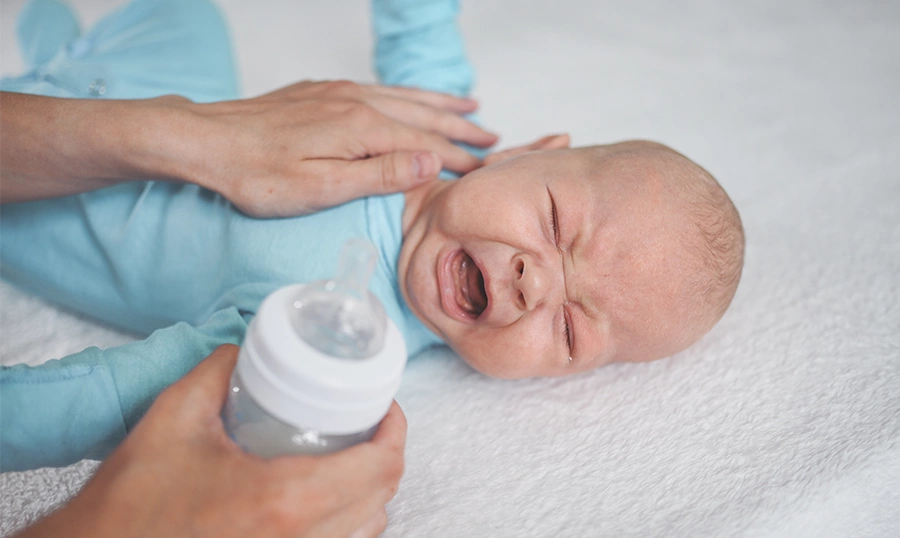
pixel 183 141
pixel 56 147
pixel 156 139
pixel 138 140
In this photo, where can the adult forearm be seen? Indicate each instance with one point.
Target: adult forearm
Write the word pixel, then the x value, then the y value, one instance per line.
pixel 297 150
pixel 55 147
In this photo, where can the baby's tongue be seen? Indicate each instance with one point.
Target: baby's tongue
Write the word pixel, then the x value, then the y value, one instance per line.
pixel 472 298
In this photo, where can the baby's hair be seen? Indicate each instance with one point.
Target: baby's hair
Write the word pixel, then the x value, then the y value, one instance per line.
pixel 713 219
pixel 712 233
pixel 708 237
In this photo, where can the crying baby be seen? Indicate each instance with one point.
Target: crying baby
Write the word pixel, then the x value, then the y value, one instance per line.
pixel 551 261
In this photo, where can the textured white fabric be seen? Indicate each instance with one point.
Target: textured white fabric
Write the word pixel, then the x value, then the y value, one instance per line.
pixel 785 420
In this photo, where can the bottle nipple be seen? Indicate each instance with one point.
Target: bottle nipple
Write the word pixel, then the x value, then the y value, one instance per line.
pixel 339 316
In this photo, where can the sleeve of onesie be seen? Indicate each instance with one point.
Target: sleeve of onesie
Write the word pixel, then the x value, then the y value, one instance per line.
pixel 418 44
pixel 83 405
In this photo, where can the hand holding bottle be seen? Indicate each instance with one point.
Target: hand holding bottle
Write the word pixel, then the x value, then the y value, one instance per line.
pixel 178 474
pixel 319 365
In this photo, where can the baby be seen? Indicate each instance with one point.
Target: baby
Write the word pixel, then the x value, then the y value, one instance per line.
pixel 544 262
pixel 559 261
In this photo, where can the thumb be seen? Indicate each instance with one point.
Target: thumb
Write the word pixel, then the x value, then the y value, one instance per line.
pixel 394 172
pixel 203 390
pixel 190 407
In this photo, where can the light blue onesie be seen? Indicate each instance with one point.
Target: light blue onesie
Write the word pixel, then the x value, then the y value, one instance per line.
pixel 173 260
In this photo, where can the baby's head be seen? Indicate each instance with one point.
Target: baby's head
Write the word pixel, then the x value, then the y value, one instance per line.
pixel 559 261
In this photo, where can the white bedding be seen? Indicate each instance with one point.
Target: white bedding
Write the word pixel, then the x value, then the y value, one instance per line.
pixel 785 420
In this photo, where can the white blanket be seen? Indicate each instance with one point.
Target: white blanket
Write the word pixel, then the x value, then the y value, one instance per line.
pixel 785 420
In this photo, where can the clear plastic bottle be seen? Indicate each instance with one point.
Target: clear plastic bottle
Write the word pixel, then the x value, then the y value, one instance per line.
pixel 319 366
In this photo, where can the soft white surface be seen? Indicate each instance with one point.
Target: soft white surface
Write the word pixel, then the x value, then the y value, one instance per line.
pixel 785 420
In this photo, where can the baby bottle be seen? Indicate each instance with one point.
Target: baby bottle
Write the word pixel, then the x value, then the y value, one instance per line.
pixel 319 366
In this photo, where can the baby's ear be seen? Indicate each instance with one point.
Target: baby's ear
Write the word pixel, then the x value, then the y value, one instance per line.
pixel 559 141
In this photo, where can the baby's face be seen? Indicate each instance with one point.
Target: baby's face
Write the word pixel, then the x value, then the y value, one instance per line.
pixel 550 263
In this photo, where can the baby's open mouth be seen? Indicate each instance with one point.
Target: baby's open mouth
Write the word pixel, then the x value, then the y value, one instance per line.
pixel 470 294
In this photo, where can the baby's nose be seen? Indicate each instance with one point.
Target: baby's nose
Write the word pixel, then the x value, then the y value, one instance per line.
pixel 533 282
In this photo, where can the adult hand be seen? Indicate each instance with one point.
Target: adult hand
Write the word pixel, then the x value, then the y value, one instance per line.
pixel 297 150
pixel 178 474
pixel 313 145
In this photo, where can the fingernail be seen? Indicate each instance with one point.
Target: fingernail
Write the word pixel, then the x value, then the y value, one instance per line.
pixel 425 165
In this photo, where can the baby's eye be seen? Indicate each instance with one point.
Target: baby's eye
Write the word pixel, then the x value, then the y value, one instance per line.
pixel 568 334
pixel 554 223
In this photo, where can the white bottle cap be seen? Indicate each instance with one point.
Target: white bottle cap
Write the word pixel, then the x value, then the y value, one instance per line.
pixel 306 388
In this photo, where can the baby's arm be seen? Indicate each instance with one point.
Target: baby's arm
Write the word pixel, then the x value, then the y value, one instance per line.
pixel 82 406
pixel 418 44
